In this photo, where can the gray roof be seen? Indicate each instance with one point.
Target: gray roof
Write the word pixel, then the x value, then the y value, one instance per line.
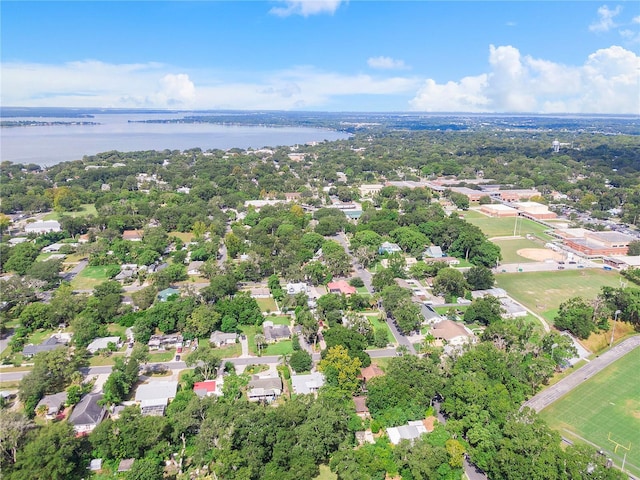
pixel 102 342
pixel 266 382
pixel 160 392
pixel 87 411
pixel 222 337
pixel 308 383
pixel 276 332
pixel 49 344
pixel 53 402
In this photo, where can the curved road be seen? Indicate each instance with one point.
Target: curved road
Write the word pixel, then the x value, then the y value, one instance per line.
pixel 548 396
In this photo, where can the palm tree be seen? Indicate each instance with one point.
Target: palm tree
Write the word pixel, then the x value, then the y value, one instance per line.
pixel 260 340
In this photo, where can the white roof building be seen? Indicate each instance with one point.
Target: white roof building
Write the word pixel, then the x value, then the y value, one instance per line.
pixel 410 432
pixel 42 226
pixel 153 397
pixel 103 342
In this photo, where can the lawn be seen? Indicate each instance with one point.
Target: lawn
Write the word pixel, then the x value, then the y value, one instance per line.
pixel 607 404
pixel 228 351
pixel 363 291
pixel 250 331
pixel 326 474
pixel 279 319
pixel 90 277
pixel 85 210
pixel 543 292
pixel 374 320
pixel 161 356
pixel 283 347
pixel 503 227
pixel 510 247
pixel 267 304
pixel 184 236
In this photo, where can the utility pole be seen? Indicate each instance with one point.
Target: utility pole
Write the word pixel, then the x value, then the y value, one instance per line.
pixel 613 329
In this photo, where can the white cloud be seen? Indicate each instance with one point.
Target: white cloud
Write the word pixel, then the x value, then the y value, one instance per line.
pixel 306 8
pixel 386 63
pixel 605 19
pixel 635 19
pixel 606 83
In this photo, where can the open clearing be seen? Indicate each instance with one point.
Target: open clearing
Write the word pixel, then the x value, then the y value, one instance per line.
pixel 90 277
pixel 608 403
pixel 502 227
pixel 85 210
pixel 543 292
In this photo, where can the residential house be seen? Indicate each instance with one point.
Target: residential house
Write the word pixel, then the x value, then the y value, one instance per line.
pixel 164 295
pixel 95 465
pixel 132 235
pixel 341 287
pixel 42 226
pixel 220 339
pixel 388 247
pixel 365 436
pixel 292 196
pixel 194 267
pixel 157 267
pixel 370 190
pixel 453 333
pixel 274 333
pixel 448 260
pixel 434 251
pixel 264 389
pixel 361 407
pixel 260 292
pixel 87 414
pixel 295 288
pixel 307 383
pixel 103 342
pixel 165 342
pixel 153 397
pixel 125 464
pixel 54 248
pixel 411 431
pixel 51 343
pixel 54 404
pixel 208 388
pixel 372 371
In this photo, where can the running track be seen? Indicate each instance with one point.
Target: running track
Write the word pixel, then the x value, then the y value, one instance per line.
pixel 548 396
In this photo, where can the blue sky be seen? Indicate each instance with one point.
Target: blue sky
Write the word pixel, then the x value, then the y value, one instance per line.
pixel 477 56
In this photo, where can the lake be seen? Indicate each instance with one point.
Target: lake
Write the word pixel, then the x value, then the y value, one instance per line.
pixel 48 145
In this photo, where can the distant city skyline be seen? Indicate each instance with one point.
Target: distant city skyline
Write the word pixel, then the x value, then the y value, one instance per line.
pixel 324 55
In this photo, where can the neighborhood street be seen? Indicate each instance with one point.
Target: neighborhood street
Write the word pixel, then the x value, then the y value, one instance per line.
pixel 366 278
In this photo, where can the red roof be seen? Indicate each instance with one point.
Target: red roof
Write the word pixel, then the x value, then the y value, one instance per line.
pixel 341 286
pixel 209 386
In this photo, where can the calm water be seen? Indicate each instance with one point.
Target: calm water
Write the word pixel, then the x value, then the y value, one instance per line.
pixel 48 145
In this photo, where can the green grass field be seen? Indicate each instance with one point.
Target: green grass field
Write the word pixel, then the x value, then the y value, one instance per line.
pixel 608 403
pixel 88 278
pixel 374 320
pixel 86 209
pixel 279 319
pixel 283 347
pixel 501 227
pixel 267 304
pixel 509 249
pixel 543 292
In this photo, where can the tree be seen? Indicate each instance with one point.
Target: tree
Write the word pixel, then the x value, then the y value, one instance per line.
pixel 479 278
pixel 449 282
pixel 203 320
pixel 55 453
pixel 485 311
pixel 145 469
pixel 341 370
pixel 144 297
pixel 22 256
pixel 634 248
pixel 47 271
pixel 205 360
pixel 15 427
pixel 576 316
pixel 300 361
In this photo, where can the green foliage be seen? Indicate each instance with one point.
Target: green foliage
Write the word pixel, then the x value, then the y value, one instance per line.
pixel 300 361
pixel 576 316
pixel 484 310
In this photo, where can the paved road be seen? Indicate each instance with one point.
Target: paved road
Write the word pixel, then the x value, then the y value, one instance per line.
pixel 548 396
pixel 366 277
pixel 70 275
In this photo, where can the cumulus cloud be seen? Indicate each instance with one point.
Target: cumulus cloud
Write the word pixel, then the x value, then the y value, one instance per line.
pixel 94 83
pixel 386 63
pixel 607 82
pixel 605 20
pixel 306 8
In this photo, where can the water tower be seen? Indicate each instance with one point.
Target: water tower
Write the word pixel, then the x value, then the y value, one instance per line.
pixel 556 146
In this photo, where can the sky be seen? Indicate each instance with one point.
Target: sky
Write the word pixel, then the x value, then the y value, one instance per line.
pixel 512 56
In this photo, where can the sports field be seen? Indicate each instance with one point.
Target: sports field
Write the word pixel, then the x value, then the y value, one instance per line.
pixel 501 227
pixel 509 249
pixel 543 292
pixel 606 405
